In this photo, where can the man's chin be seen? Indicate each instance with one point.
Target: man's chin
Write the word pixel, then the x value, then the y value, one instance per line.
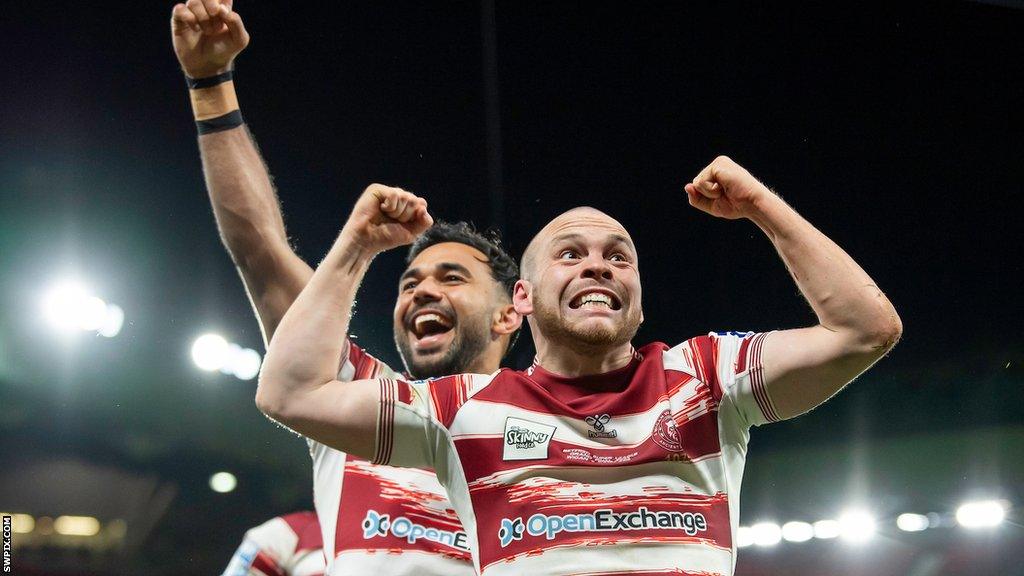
pixel 433 366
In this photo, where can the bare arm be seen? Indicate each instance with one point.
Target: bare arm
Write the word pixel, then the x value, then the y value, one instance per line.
pixel 251 227
pixel 857 324
pixel 207 37
pixel 298 385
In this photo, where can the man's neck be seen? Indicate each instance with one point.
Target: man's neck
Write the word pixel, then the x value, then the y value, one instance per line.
pixel 582 360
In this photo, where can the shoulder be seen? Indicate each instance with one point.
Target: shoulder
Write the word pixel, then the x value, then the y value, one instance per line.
pixel 448 394
pixel 704 357
pixel 358 364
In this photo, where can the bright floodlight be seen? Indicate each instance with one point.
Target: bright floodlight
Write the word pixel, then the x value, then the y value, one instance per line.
pixel 856 526
pixel 223 482
pixel 62 303
pixel 210 352
pixel 744 537
pixel 826 529
pixel 76 525
pixel 797 531
pixel 244 363
pixel 69 306
pixel 912 522
pixel 91 313
pixel 766 534
pixel 982 514
pixel 113 320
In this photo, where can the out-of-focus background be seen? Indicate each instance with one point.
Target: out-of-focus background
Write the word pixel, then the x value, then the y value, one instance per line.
pixel 897 129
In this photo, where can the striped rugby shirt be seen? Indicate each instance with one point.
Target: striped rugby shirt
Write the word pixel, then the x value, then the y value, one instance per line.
pixel 636 471
pixel 287 545
pixel 379 520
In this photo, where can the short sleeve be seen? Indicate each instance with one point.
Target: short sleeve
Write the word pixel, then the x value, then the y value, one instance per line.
pixel 356 364
pixel 741 375
pixel 415 417
pixel 730 362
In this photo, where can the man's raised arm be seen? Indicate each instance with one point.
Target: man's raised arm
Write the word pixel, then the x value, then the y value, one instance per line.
pixel 857 324
pixel 298 385
pixel 207 36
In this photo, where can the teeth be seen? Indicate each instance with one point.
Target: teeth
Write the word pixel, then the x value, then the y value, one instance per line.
pixel 596 298
pixel 429 317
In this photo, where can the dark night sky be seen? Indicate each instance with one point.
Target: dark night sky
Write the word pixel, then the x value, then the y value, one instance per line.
pixel 897 130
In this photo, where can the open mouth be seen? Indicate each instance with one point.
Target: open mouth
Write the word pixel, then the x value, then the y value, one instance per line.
pixel 429 327
pixel 600 299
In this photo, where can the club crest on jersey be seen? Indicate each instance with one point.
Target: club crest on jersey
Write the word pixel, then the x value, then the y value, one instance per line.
pixel 666 433
pixel 525 440
pixel 600 430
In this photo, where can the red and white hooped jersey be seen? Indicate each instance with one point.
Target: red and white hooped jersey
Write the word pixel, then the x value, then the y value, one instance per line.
pixel 288 545
pixel 636 471
pixel 378 520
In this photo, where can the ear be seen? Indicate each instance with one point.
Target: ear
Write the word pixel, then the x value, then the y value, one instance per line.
pixel 522 297
pixel 506 320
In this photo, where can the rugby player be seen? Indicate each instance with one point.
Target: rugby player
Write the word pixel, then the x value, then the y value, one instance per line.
pixel 453 313
pixel 601 458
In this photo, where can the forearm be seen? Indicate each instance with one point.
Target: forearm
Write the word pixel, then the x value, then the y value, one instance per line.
pixel 845 299
pixel 244 202
pixel 306 350
pixel 248 214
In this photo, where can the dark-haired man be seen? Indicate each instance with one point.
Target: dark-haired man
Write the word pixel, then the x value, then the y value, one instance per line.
pixel 453 314
pixel 601 458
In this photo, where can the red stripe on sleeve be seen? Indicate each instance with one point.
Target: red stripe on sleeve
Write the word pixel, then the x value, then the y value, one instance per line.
pixel 385 422
pixel 764 402
pixel 267 565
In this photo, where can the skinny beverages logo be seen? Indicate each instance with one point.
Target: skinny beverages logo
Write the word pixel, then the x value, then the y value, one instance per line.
pixel 525 440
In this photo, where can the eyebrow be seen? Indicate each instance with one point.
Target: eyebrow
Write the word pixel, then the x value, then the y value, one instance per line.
pixel 443 267
pixel 576 236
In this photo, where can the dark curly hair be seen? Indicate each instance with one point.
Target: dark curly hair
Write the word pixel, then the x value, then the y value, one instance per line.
pixel 503 267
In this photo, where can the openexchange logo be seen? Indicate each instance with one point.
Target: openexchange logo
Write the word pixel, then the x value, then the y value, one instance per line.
pixel 376 524
pixel 600 521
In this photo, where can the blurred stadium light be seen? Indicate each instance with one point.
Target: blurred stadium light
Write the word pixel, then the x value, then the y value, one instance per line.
pixel 223 482
pixel 981 514
pixel 856 526
pixel 213 352
pixel 70 306
pixel 766 534
pixel 797 531
pixel 77 525
pixel 826 529
pixel 911 522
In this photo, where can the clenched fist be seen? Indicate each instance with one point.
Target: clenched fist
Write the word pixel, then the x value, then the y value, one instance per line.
pixel 207 36
pixel 386 217
pixel 725 189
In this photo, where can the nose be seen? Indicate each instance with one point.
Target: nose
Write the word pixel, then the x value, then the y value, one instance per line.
pixel 595 266
pixel 426 291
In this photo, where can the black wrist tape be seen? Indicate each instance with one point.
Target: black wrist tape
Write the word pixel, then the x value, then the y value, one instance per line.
pixel 195 83
pixel 225 122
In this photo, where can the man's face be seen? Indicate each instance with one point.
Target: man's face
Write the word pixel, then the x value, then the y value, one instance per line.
pixel 447 299
pixel 586 284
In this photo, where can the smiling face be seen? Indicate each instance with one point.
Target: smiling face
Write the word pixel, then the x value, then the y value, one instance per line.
pixel 448 302
pixel 584 284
